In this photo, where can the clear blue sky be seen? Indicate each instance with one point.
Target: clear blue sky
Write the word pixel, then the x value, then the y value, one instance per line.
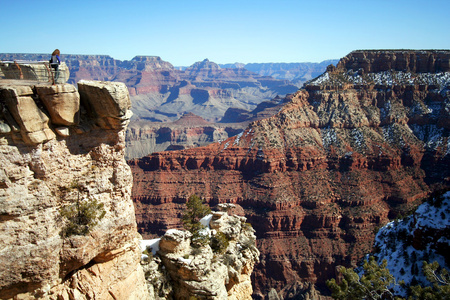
pixel 185 31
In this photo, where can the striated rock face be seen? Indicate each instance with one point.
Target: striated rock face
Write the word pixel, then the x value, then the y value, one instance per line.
pixel 345 154
pixel 187 132
pixel 427 61
pixel 179 271
pixel 190 130
pixel 43 171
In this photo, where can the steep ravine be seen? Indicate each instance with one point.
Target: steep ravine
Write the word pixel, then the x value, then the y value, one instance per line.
pixel 355 147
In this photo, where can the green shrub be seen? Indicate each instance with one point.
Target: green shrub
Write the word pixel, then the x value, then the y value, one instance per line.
pixel 195 210
pixel 219 242
pixel 81 217
pixel 199 239
pixel 373 284
pixel 440 281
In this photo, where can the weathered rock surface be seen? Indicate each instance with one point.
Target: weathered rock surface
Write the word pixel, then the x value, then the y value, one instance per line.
pixel 32 70
pixel 38 172
pixel 348 152
pixel 62 102
pixel 179 271
pixel 18 102
pixel 109 102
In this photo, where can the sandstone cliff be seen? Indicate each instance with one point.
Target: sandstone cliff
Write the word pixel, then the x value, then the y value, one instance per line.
pixel 176 270
pixel 357 146
pixel 60 150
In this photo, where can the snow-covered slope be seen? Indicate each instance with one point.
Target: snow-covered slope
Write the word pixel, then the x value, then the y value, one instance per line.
pixel 422 236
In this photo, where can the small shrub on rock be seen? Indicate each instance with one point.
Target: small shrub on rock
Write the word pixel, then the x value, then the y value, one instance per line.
pixel 81 217
pixel 219 243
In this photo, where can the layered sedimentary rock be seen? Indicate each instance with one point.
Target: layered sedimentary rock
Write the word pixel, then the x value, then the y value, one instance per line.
pixel 204 88
pixel 190 130
pixel 354 148
pixel 59 152
pixel 177 270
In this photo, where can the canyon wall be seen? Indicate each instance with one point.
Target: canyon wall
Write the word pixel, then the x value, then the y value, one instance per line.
pixel 296 73
pixel 143 137
pixel 61 164
pixel 354 148
pixel 189 131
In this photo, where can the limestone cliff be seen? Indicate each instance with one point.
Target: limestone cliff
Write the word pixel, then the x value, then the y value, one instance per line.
pixel 61 149
pixel 176 270
pixel 358 145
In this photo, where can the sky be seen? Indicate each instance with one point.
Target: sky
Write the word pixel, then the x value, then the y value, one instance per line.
pixel 183 32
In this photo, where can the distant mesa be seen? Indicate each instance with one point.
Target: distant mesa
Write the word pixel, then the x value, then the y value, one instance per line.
pixel 205 64
pixel 190 119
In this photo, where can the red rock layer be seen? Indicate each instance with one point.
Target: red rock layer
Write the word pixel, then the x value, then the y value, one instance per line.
pixel 315 180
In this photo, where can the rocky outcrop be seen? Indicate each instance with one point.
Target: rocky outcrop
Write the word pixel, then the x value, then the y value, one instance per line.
pixel 345 154
pixel 25 115
pixel 60 152
pixel 179 271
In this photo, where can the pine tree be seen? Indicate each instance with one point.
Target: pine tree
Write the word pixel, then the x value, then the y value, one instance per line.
pixel 440 289
pixel 373 284
pixel 195 210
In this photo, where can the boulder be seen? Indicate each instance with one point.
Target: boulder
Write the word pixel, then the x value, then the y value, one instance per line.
pixel 175 241
pixel 109 102
pixel 62 102
pixel 33 122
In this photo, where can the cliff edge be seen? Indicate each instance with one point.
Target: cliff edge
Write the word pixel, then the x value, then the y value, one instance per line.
pixel 68 229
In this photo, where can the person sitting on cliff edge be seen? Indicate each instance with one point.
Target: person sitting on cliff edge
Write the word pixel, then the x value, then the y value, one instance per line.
pixel 55 62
